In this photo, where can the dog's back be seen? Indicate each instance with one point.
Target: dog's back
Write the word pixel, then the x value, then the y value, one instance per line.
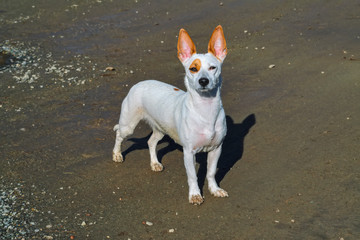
pixel 144 101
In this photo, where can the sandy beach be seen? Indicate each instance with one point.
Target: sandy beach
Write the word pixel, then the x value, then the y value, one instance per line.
pixel 291 93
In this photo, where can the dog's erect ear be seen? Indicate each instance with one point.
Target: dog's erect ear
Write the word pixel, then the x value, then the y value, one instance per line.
pixel 186 47
pixel 217 44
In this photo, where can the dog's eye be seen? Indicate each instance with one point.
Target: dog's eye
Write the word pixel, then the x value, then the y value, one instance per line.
pixel 212 68
pixel 193 69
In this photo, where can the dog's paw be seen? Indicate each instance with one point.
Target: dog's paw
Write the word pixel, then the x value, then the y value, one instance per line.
pixel 219 193
pixel 117 157
pixel 156 167
pixel 196 199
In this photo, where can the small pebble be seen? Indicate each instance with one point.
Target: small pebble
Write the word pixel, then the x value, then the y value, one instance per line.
pixel 271 65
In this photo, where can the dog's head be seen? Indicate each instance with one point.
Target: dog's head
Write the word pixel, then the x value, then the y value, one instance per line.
pixel 202 70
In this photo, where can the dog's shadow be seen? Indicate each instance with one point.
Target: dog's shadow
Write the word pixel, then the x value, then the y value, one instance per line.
pixel 232 149
pixel 141 143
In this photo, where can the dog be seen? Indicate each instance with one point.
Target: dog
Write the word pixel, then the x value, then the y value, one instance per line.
pixel 194 119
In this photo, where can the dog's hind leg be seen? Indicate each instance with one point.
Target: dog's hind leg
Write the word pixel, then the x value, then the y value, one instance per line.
pixel 129 118
pixel 152 142
pixel 117 156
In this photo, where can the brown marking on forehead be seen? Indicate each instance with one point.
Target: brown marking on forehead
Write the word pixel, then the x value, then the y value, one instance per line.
pixel 176 89
pixel 196 64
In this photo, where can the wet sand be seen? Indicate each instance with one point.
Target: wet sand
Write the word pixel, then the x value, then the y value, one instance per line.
pixel 290 161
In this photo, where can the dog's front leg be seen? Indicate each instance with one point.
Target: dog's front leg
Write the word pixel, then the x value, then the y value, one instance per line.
pixel 213 158
pixel 194 191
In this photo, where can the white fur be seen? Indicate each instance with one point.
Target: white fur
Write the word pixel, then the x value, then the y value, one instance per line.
pixel 194 119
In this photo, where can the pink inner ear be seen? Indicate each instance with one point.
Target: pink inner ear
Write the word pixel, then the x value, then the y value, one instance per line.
pixel 217 44
pixel 219 47
pixel 186 47
pixel 186 50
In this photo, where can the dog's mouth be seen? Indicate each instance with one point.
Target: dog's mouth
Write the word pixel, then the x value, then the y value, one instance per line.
pixel 207 92
pixel 204 89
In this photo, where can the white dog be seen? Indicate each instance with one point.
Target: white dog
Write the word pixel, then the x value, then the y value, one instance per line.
pixel 194 119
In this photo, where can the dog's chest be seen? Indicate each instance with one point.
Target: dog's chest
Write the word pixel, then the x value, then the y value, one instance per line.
pixel 206 126
pixel 206 139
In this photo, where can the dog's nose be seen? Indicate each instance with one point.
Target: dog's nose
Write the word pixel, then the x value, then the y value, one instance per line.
pixel 203 82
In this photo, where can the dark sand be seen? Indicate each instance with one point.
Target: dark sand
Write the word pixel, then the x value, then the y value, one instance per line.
pixel 291 158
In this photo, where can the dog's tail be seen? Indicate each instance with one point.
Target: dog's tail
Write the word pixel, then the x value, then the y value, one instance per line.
pixel 116 127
